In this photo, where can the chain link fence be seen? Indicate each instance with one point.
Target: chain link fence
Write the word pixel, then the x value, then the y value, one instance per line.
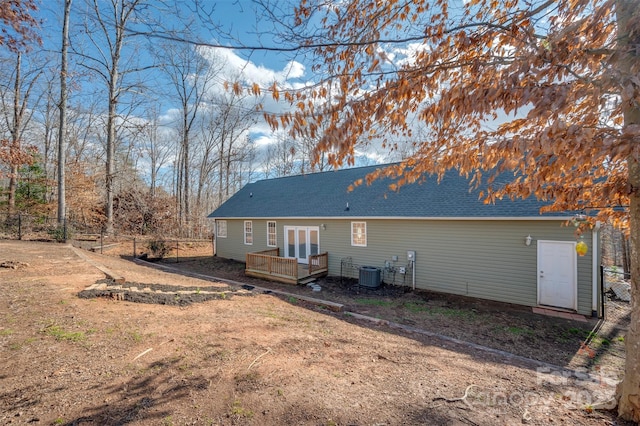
pixel 21 226
pixel 616 282
pixel 169 250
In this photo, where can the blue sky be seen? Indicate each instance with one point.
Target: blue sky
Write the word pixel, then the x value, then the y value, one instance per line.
pixel 237 18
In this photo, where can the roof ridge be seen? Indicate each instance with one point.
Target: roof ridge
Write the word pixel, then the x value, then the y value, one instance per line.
pixel 327 171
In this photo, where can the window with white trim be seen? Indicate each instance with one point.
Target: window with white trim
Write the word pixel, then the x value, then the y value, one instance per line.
pixel 359 234
pixel 248 232
pixel 221 228
pixel 272 235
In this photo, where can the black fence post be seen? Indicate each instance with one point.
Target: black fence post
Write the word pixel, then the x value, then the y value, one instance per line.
pixel 134 247
pixel 602 296
pixel 19 226
pixel 177 257
pixel 101 240
pixel 64 227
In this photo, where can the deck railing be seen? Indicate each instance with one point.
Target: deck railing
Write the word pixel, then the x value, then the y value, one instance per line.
pixel 268 264
pixel 318 262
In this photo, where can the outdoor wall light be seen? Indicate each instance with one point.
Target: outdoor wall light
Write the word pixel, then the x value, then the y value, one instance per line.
pixel 527 240
pixel 324 227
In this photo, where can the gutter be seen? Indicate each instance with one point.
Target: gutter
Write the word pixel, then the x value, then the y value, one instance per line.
pixel 434 218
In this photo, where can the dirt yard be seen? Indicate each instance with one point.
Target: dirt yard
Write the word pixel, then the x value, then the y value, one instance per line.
pixel 246 357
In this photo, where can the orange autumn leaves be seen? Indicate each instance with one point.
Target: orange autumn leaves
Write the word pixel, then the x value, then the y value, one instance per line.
pixel 535 92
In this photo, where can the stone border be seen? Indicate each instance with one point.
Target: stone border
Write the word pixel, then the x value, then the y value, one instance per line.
pixel 160 294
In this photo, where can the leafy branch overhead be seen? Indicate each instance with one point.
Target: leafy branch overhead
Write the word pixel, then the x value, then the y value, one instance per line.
pixel 533 91
pixel 18 24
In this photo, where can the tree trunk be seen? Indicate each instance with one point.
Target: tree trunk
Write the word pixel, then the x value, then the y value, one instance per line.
pixel 62 207
pixel 13 185
pixel 111 136
pixel 15 136
pixel 185 144
pixel 628 392
pixel 629 388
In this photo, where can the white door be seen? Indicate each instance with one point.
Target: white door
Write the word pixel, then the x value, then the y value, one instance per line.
pixel 557 274
pixel 301 242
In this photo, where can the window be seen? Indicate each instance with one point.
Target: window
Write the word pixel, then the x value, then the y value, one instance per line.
pixel 272 236
pixel 359 234
pixel 248 232
pixel 221 228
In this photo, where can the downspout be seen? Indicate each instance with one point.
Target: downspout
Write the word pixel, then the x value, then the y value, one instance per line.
pixel 413 273
pixel 595 269
pixel 215 239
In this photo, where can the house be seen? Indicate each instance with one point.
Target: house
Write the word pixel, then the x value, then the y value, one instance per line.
pixel 438 237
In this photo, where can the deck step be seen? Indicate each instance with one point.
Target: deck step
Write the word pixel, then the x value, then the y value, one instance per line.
pixel 305 281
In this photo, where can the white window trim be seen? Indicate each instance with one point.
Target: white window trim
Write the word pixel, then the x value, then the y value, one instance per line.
pixel 353 243
pixel 248 234
pixel 218 233
pixel 275 233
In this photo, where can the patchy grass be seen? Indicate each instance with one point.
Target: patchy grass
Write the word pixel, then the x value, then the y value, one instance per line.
pixel 519 331
pixel 136 336
pixel 239 411
pixel 415 307
pixel 61 334
pixel 374 302
pixel 463 314
pixel 19 345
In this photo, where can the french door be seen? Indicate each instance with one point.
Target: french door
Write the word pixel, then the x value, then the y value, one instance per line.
pixel 301 242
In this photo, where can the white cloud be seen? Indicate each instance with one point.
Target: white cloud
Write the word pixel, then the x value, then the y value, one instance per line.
pixel 264 140
pixel 249 72
pixel 293 69
pixel 407 55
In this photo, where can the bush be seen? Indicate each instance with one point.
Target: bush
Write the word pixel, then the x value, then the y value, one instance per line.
pixel 58 234
pixel 158 248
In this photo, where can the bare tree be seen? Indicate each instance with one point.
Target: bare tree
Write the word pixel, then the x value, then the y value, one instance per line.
pixel 232 118
pixel 63 114
pixel 280 157
pixel 157 147
pixel 190 75
pixel 49 123
pixel 208 159
pixel 82 126
pixel 17 116
pixel 106 29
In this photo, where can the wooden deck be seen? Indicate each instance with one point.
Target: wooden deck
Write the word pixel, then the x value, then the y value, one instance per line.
pixel 269 265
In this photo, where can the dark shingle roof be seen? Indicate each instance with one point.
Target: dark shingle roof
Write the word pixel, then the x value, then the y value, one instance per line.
pixel 326 194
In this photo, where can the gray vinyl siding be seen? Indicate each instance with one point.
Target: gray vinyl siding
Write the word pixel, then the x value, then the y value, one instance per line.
pixel 485 258
pixel 233 246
